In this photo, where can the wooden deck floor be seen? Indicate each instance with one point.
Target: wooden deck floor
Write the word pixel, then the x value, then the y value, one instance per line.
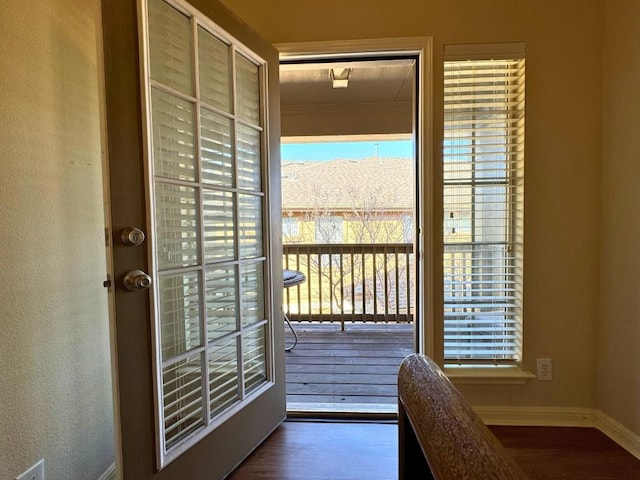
pixel 351 371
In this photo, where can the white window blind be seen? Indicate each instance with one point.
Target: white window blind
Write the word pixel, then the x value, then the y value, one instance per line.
pixel 207 192
pixel 483 209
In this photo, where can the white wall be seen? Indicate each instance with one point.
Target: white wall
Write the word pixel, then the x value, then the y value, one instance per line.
pixel 619 333
pixel 55 394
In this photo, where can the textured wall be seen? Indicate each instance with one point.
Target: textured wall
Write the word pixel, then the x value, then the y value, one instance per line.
pixel 55 394
pixel 563 154
pixel 619 334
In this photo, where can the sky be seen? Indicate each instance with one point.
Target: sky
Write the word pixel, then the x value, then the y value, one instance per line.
pixel 328 151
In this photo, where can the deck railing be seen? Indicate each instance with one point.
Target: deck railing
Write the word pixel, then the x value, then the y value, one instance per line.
pixel 351 283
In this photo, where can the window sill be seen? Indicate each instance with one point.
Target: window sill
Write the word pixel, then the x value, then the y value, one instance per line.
pixel 465 375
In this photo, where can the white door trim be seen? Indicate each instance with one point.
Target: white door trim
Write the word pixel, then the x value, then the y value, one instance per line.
pixel 421 47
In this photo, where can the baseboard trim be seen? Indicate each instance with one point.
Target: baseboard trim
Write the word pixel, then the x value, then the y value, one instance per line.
pixel 110 473
pixel 562 417
pixel 619 434
pixel 537 416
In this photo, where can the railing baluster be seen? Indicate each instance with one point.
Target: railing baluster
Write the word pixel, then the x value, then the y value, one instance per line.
pixel 353 286
pixel 309 282
pixel 375 285
pixel 298 289
pixel 356 267
pixel 320 285
pixel 286 290
pixel 408 288
pixel 364 288
pixel 397 289
pixel 386 284
pixel 342 291
pixel 331 293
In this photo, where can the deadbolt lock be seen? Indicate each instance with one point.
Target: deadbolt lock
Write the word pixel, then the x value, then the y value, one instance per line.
pixel 132 236
pixel 136 280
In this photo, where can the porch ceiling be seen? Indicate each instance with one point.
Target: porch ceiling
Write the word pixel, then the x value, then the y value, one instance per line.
pixel 370 82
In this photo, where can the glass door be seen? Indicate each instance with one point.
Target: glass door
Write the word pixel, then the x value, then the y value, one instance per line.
pixel 214 321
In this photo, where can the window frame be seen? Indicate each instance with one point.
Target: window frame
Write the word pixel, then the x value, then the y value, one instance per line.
pixel 329 229
pixel 492 370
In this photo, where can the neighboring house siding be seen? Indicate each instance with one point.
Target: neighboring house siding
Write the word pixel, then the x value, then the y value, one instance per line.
pixel 303 227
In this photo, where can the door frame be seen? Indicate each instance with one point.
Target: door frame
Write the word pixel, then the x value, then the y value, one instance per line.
pixel 422 49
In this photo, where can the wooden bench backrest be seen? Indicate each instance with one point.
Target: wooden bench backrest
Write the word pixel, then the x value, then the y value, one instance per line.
pixel 441 436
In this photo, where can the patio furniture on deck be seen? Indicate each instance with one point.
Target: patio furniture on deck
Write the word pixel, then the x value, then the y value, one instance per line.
pixel 291 278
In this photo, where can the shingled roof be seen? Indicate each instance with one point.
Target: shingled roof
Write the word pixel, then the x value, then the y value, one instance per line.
pixel 374 183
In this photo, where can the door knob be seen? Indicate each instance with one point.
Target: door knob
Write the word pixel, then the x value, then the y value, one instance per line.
pixel 137 280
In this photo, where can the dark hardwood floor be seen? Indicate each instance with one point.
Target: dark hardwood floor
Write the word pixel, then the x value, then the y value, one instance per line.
pixel 325 451
pixel 368 451
pixel 355 371
pixel 346 371
pixel 567 453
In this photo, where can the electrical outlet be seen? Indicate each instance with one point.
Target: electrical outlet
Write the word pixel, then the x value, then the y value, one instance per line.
pixel 545 371
pixel 34 473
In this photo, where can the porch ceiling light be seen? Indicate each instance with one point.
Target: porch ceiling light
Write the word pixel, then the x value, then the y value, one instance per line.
pixel 340 77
